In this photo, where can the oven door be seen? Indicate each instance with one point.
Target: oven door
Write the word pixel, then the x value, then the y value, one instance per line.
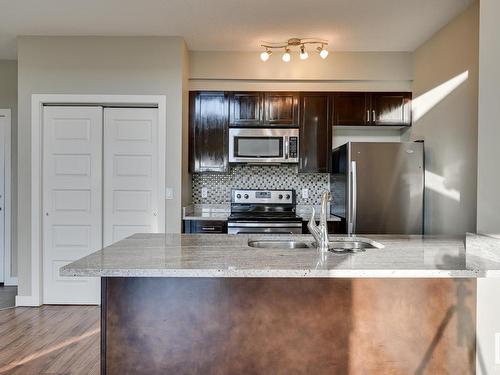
pixel 262 145
pixel 248 227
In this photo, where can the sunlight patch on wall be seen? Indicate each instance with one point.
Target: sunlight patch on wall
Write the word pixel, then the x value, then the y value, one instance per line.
pixel 428 100
pixel 436 183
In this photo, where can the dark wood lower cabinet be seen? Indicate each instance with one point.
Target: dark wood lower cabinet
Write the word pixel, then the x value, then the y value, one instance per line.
pixel 205 226
pixel 287 326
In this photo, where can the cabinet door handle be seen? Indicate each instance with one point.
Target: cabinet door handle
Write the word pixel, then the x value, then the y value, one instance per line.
pixel 373 115
pixel 208 228
pixel 368 115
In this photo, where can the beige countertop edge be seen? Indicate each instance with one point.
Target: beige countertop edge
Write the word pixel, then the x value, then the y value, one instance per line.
pixel 247 273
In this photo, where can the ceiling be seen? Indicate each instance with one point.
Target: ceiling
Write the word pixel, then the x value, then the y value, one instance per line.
pixel 349 25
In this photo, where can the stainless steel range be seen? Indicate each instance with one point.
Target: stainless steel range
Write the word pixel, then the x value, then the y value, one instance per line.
pixel 263 211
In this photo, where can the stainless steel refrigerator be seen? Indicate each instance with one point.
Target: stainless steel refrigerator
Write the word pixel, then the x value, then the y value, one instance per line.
pixel 378 188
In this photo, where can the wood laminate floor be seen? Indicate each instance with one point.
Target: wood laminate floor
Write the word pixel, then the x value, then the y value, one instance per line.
pixel 52 340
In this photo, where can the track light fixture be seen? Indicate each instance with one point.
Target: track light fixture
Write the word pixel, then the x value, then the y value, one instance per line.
pixel 303 53
pixel 264 56
pixel 286 56
pixel 299 43
pixel 322 52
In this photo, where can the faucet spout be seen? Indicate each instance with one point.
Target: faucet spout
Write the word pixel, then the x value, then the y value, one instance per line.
pixel 320 232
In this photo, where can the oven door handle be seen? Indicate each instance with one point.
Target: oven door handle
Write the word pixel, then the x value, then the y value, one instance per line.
pixel 264 225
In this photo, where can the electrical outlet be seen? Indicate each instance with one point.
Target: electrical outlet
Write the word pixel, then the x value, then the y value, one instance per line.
pixel 204 192
pixel 305 193
pixel 169 193
pixel 497 348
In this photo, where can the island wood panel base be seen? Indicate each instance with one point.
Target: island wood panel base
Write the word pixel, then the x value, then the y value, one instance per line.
pixel 288 326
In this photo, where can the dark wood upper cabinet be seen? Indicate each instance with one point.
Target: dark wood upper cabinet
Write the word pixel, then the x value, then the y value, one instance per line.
pixel 208 132
pixel 351 108
pixel 281 109
pixel 245 109
pixel 372 109
pixel 315 132
pixel 211 114
pixel 391 108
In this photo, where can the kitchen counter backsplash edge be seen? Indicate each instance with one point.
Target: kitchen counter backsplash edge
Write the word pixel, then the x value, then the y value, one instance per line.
pixel 219 185
pixel 221 212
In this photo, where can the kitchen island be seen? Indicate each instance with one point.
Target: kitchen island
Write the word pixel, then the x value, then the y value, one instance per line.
pixel 212 304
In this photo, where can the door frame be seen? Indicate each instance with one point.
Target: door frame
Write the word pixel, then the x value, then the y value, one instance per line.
pixel 37 103
pixel 7 256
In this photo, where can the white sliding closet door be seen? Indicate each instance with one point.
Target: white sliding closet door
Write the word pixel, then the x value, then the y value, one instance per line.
pixel 72 200
pixel 2 197
pixel 131 173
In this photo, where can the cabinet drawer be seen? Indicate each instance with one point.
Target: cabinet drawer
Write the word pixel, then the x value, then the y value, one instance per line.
pixel 205 226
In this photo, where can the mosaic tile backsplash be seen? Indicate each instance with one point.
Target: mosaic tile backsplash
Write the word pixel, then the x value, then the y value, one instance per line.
pixel 259 177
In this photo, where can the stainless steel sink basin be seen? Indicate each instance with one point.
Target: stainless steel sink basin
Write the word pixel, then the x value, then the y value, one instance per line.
pixel 337 245
pixel 279 244
pixel 349 246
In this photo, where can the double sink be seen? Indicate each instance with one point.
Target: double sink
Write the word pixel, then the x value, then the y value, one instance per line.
pixel 336 244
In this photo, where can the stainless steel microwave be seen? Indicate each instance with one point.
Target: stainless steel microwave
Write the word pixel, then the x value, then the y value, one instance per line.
pixel 264 145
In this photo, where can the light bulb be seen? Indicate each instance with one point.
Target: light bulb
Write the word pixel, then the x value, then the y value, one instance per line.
pixel 303 53
pixel 264 56
pixel 323 53
pixel 286 56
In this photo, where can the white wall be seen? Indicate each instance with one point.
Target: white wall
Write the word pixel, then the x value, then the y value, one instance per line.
pixel 8 99
pixel 342 136
pixel 445 116
pixel 339 66
pixel 488 202
pixel 99 65
pixel 341 71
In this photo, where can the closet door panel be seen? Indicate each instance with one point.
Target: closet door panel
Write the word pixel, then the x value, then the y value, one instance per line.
pixel 72 200
pixel 131 172
pixel 3 124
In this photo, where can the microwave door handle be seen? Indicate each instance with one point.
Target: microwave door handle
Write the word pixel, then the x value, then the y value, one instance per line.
pixel 286 147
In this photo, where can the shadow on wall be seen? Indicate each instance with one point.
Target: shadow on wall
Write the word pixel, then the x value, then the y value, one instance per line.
pixel 420 107
pixel 465 329
pixel 428 100
pixel 413 326
pixel 447 187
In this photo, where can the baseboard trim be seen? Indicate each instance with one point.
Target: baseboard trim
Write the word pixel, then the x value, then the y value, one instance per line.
pixel 10 281
pixel 26 301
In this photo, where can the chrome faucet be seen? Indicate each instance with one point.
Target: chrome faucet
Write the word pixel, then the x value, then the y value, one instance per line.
pixel 320 232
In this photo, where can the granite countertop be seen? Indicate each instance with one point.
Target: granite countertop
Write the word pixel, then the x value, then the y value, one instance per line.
pixel 212 255
pixel 206 212
pixel 222 211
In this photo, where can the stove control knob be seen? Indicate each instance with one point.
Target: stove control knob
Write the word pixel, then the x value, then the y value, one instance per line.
pixel 280 196
pixel 238 196
pixel 288 196
pixel 246 196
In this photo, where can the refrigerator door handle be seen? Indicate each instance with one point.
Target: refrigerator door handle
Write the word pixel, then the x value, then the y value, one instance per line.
pixel 354 193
